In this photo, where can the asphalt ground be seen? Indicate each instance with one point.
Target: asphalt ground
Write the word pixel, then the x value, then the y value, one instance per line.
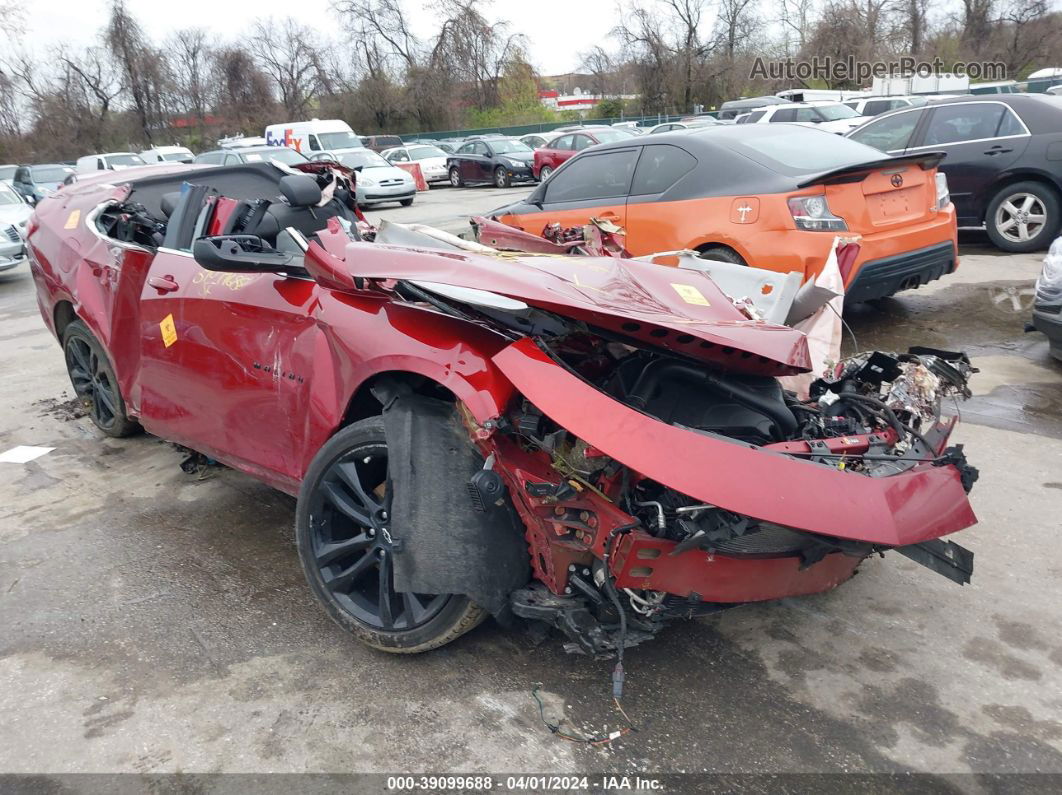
pixel 153 621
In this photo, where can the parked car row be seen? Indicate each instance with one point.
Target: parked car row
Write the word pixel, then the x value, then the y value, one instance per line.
pixel 1000 158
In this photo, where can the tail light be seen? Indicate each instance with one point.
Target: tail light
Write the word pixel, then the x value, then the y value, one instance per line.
pixel 943 195
pixel 813 213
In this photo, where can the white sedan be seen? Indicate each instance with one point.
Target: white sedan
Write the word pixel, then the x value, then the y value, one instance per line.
pixel 432 160
pixel 14 213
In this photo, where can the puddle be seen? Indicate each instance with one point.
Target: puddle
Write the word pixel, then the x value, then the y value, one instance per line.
pixel 1019 387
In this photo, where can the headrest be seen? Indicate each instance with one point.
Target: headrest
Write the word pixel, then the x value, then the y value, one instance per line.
pixel 168 202
pixel 300 190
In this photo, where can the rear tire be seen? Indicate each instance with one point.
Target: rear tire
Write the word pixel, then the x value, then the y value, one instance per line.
pixel 455 178
pixel 345 550
pixel 95 383
pixel 1023 217
pixel 724 253
pixel 544 172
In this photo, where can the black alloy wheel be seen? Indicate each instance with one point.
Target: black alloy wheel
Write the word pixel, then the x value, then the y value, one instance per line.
pixel 347 550
pixel 94 381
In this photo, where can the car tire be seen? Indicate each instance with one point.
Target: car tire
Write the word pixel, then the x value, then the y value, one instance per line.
pixel 502 179
pixel 544 172
pixel 344 557
pixel 455 178
pixel 406 202
pixel 723 253
pixel 95 383
pixel 1009 217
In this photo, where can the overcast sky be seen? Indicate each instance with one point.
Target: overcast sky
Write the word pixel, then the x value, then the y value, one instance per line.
pixel 558 30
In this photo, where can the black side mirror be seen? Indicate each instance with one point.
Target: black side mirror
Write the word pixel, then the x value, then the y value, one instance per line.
pixel 241 254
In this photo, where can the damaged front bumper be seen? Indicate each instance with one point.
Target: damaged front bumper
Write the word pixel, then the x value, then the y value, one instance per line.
pixel 853 514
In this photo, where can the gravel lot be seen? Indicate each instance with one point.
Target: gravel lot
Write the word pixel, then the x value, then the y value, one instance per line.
pixel 157 622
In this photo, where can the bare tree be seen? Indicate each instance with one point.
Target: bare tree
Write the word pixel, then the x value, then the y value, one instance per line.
pixel 688 14
pixel 243 92
pixel 911 16
pixel 189 54
pixel 1029 33
pixel 602 69
pixel 476 50
pixel 977 22
pixel 645 45
pixel 289 53
pixel 11 115
pixel 12 16
pixel 384 20
pixel 141 66
pixel 796 19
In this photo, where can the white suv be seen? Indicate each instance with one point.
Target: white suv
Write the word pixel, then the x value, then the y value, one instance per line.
pixel 830 116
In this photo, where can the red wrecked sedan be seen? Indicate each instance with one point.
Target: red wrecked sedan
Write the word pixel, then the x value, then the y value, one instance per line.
pixel 595 443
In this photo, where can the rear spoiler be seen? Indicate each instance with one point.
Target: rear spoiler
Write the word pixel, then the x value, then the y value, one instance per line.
pixel 926 160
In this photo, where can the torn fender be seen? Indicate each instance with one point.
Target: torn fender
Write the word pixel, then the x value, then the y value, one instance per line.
pixel 443 544
pixel 923 503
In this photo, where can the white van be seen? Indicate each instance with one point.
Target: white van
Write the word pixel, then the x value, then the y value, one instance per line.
pixel 168 154
pixel 110 161
pixel 315 135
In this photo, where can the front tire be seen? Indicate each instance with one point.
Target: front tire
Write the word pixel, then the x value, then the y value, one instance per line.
pixel 501 178
pixel 406 202
pixel 1023 217
pixel 455 178
pixel 94 382
pixel 342 534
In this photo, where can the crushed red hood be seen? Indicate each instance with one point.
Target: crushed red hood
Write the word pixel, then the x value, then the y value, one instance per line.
pixel 679 310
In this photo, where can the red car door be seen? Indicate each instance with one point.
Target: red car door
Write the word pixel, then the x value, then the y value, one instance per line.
pixel 225 362
pixel 556 153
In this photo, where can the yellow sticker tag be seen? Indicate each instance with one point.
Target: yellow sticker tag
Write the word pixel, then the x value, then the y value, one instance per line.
pixel 72 219
pixel 169 331
pixel 690 294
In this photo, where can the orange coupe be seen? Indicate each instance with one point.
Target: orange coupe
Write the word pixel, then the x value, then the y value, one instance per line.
pixel 774 196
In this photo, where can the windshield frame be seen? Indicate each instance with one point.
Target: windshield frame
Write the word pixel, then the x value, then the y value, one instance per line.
pixel 127 159
pixel 412 149
pixel 610 135
pixel 267 153
pixel 63 171
pixel 9 196
pixel 511 147
pixel 820 110
pixel 340 139
pixel 375 159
